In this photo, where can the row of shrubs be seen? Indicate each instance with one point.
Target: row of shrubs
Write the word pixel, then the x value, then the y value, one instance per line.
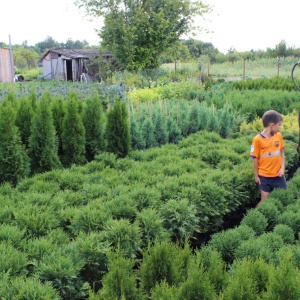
pixel 81 228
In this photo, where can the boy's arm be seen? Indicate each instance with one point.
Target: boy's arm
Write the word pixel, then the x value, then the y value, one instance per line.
pixel 255 168
pixel 282 168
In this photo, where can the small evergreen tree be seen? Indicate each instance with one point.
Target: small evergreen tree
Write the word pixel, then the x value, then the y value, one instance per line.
pixel 174 131
pixel 118 129
pixel 194 119
pixel 43 141
pixel 148 133
pixel 58 113
pixel 94 124
pixel 24 117
pixel 14 161
pixel 160 129
pixel 73 133
pixel 137 139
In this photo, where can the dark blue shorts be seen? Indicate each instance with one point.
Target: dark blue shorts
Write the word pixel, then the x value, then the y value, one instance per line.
pixel 268 184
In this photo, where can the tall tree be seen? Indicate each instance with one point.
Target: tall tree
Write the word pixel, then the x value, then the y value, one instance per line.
pixel 43 142
pixel 14 161
pixel 73 133
pixel 138 31
pixel 118 129
pixel 94 124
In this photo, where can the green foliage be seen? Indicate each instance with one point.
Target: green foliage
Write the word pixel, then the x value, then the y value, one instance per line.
pixel 180 219
pixel 151 225
pixel 94 124
pixel 117 129
pixel 94 252
pixel 62 268
pixel 20 288
pixel 271 212
pixel 137 139
pixel 43 141
pixel 248 279
pixel 73 133
pixel 256 220
pixel 283 280
pixel 164 291
pixel 163 262
pixel 12 260
pixel 14 161
pixel 122 234
pixel 24 118
pixel 120 282
pixel 286 233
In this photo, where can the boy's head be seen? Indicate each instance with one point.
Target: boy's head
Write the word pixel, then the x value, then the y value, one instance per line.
pixel 271 117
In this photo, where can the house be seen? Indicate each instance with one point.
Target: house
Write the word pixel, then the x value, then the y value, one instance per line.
pixel 70 64
pixel 6 69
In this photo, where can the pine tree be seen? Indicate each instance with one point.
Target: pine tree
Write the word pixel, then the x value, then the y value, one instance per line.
pixel 94 124
pixel 43 140
pixel 194 119
pixel 174 131
pixel 73 133
pixel 14 161
pixel 24 117
pixel 137 139
pixel 148 133
pixel 58 113
pixel 118 129
pixel 160 129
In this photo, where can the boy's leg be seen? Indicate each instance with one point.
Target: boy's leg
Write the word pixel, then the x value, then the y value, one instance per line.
pixel 264 196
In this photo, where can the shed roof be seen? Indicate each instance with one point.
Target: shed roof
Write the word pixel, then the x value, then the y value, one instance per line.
pixel 76 53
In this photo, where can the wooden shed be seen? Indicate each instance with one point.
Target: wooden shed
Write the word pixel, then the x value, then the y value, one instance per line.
pixel 69 64
pixel 5 66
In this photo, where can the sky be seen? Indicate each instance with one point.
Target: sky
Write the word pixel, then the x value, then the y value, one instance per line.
pixel 238 24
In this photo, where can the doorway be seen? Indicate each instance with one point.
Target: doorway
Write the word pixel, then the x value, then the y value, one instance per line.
pixel 69 70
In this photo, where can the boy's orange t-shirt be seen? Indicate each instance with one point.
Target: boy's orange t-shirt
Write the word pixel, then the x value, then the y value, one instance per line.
pixel 268 152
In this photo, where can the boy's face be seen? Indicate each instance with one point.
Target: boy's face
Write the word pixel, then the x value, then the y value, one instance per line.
pixel 275 127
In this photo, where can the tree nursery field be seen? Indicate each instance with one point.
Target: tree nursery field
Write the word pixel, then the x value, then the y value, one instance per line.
pixel 144 189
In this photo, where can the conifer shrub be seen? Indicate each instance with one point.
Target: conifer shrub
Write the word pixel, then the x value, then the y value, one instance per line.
pixel 180 219
pixel 94 124
pixel 144 197
pixel 121 207
pixel 88 219
pixel 214 266
pixel 24 118
pixel 226 242
pixel 197 285
pixel 43 141
pixel 151 225
pixel 36 220
pixel 137 138
pixel 174 132
pixel 148 133
pixel 162 262
pixel 120 282
pixel 19 288
pixel 118 129
pixel 13 261
pixel 164 291
pixel 283 281
pixel 121 233
pixel 271 212
pixel 256 220
pixel 12 234
pixel 14 161
pixel 70 181
pixel 62 269
pixel 73 133
pixel 291 219
pixel 248 279
pixel 286 233
pixel 93 250
pixel 108 159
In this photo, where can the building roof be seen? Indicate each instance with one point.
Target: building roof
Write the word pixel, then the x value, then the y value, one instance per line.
pixel 77 53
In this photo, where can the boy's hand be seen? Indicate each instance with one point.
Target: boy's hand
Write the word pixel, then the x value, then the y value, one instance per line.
pixel 257 180
pixel 281 172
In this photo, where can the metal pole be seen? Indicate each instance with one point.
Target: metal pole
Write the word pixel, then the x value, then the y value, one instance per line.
pixel 11 61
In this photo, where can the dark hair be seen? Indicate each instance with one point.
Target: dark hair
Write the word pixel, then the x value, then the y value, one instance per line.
pixel 271 116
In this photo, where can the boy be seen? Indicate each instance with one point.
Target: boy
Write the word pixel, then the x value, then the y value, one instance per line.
pixel 267 151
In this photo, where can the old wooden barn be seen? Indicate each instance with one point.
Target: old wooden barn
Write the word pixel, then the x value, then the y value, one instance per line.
pixel 5 66
pixel 70 64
